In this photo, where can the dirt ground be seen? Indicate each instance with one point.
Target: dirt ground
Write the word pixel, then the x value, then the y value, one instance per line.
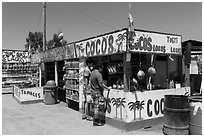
pixel 58 119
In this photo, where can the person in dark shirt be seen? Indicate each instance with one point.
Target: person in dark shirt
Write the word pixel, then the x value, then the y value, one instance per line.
pixel 97 87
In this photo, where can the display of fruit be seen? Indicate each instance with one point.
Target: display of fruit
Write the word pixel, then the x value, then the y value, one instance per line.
pixel 122 86
pixel 111 70
pixel 134 81
pixel 119 87
pixel 151 71
pixel 110 87
pixel 140 74
pixel 114 69
pixel 114 86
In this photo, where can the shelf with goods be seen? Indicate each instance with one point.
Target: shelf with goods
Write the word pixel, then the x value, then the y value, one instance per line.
pixel 115 68
pixel 17 74
pixel 35 74
pixel 71 78
pixel 72 94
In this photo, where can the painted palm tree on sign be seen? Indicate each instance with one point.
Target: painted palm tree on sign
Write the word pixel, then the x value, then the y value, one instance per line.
pixel 140 107
pixel 134 106
pixel 115 102
pixel 119 41
pixel 108 105
pixel 121 104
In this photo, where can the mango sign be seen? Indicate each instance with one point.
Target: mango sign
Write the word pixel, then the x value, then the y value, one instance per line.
pixel 156 43
pixel 102 45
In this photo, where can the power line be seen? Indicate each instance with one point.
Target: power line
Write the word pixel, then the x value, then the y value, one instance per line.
pixel 90 16
pixel 39 20
pixel 99 15
pixel 65 13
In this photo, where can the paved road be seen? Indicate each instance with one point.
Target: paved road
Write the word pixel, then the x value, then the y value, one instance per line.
pixel 41 119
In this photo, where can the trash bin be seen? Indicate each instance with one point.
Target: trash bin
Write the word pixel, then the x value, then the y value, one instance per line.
pixel 50 93
pixel 176 115
pixel 195 122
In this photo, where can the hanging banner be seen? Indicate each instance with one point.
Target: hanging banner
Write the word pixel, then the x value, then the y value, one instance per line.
pixel 70 51
pixel 102 45
pixel 150 42
pixel 15 56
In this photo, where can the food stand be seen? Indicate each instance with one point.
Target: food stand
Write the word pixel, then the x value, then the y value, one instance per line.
pixel 137 93
pixel 127 103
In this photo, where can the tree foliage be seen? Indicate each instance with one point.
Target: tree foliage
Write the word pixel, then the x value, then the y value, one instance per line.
pixel 34 42
pixel 56 42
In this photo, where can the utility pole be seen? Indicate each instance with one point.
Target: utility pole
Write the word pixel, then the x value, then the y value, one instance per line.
pixel 42 68
pixel 44 26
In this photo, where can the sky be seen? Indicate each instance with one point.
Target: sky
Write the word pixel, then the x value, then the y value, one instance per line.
pixel 81 20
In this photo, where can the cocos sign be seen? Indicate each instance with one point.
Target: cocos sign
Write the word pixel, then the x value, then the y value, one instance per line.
pixel 107 44
pixel 156 107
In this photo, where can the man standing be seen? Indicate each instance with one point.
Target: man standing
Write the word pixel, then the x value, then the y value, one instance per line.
pixel 97 88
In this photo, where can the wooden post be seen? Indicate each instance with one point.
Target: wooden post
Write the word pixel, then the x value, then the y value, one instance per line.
pixel 187 76
pixel 127 65
pixel 187 64
pixel 126 68
pixel 81 81
pixel 43 74
pixel 43 79
pixel 56 74
pixel 40 76
pixel 44 26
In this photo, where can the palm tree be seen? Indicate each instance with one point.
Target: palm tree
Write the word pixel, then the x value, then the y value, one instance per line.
pixel 115 102
pixel 140 107
pixel 121 104
pixel 133 106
